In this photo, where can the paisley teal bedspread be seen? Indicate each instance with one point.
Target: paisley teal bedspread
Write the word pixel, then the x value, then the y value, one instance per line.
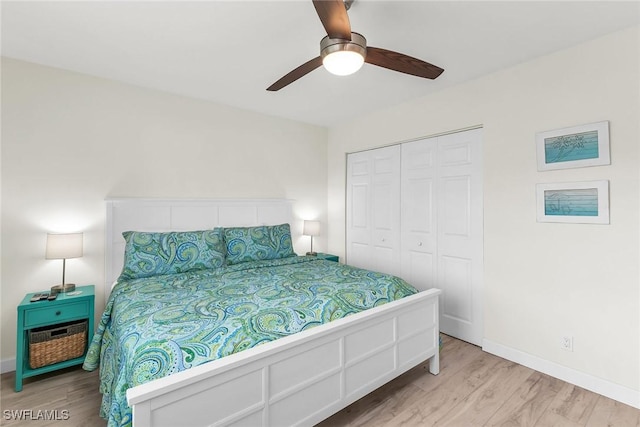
pixel 156 326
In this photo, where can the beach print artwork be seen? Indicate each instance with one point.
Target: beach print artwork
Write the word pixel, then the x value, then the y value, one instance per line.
pixel 567 148
pixel 578 202
pixel 573 147
pixel 584 202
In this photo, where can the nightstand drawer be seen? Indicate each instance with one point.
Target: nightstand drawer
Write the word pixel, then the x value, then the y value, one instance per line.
pixel 57 313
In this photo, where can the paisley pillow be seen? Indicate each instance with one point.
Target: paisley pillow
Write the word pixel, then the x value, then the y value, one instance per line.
pixel 258 243
pixel 153 254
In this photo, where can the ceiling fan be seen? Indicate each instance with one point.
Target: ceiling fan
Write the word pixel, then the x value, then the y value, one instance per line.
pixel 343 52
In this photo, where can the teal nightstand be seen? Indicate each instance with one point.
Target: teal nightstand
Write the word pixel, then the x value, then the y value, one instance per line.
pixel 328 257
pixel 65 308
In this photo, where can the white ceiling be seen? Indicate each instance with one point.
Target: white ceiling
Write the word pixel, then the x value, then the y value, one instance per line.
pixel 229 52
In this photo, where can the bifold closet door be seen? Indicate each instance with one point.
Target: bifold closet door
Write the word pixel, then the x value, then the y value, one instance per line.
pixel 442 236
pixel 373 209
pixel 415 210
pixel 460 234
pixel 418 206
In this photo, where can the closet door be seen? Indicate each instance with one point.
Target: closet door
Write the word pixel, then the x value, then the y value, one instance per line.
pixel 415 210
pixel 418 196
pixel 460 234
pixel 386 210
pixel 359 209
pixel 373 210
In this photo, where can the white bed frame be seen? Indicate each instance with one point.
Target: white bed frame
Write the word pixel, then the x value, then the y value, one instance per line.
pixel 297 380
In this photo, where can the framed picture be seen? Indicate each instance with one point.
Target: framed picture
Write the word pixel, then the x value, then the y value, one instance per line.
pixel 573 202
pixel 573 147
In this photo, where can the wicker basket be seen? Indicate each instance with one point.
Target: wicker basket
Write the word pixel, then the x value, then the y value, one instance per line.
pixel 53 344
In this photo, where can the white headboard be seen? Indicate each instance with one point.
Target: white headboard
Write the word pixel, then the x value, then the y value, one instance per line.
pixel 182 215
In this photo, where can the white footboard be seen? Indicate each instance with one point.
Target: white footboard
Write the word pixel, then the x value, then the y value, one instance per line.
pixel 301 379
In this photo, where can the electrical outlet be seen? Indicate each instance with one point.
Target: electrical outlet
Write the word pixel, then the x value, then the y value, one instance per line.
pixel 566 343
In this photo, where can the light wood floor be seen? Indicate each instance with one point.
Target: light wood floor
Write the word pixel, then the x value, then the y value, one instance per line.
pixel 473 388
pixel 72 389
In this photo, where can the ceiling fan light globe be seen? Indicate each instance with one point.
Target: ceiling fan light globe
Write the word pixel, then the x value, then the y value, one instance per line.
pixel 343 62
pixel 343 57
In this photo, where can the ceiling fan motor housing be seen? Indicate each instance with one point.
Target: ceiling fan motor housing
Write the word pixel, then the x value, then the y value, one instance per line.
pixel 357 44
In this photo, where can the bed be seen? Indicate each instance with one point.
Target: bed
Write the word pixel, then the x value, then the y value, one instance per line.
pixel 254 335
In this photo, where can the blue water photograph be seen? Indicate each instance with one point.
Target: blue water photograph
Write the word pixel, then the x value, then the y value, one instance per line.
pixel 566 148
pixel 571 202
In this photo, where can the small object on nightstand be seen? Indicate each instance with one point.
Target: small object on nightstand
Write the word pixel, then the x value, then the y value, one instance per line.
pixel 35 297
pixel 41 296
pixel 52 297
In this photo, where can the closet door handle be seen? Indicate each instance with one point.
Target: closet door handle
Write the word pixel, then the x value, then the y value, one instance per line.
pixel 419 243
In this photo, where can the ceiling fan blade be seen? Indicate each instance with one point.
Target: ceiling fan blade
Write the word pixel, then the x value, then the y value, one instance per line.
pixel 402 63
pixel 334 18
pixel 294 75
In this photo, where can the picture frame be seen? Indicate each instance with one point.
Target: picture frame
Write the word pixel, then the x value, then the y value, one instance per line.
pixel 573 147
pixel 584 202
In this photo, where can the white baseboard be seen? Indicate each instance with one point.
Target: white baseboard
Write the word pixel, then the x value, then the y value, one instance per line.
pixel 7 365
pixel 606 388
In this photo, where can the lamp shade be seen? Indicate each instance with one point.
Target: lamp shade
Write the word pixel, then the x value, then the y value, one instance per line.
pixel 311 228
pixel 64 246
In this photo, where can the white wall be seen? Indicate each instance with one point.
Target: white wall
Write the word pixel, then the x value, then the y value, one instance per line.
pixel 69 141
pixel 542 280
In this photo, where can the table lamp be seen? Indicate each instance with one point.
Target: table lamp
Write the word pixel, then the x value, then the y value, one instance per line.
pixel 311 228
pixel 63 246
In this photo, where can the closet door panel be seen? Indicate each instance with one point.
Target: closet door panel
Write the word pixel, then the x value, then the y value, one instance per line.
pixel 456 278
pixel 386 210
pixel 373 209
pixel 418 192
pixel 455 221
pixel 419 269
pixel 359 171
pixel 460 238
pixel 384 241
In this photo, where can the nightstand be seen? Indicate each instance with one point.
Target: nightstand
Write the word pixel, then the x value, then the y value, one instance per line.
pixel 67 307
pixel 328 257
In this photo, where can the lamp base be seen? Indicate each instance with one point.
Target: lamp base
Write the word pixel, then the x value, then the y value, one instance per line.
pixel 61 289
pixel 312 253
